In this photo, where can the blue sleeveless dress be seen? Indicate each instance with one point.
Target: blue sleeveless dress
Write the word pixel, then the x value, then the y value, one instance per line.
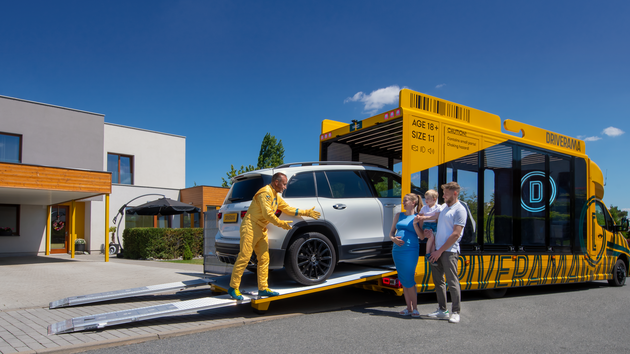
pixel 406 256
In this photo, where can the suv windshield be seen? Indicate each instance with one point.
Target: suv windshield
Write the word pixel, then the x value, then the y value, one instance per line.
pixel 244 190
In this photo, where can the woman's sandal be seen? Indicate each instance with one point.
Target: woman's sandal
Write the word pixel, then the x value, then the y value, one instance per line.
pixel 415 314
pixel 405 312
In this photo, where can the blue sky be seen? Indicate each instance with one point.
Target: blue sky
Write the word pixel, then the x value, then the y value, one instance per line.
pixel 224 73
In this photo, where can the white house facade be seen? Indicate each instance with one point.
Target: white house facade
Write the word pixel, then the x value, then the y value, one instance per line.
pixel 60 166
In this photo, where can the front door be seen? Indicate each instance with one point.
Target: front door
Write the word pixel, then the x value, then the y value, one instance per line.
pixel 600 222
pixel 59 235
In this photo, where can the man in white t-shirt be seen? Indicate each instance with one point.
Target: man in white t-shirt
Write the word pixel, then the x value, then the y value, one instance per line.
pixel 451 221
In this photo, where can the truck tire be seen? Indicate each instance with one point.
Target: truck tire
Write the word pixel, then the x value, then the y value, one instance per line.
pixel 619 274
pixel 310 259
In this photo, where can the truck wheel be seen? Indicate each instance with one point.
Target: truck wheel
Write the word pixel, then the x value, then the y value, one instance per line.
pixel 310 259
pixel 495 293
pixel 619 274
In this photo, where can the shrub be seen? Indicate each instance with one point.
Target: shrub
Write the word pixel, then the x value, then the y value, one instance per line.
pixel 145 242
pixel 188 255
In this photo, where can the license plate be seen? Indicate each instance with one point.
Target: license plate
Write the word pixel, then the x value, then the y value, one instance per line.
pixel 231 217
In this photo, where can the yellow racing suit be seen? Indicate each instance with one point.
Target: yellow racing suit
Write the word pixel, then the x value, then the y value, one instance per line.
pixel 254 232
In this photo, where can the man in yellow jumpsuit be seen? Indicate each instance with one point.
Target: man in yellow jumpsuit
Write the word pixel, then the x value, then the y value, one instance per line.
pixel 254 233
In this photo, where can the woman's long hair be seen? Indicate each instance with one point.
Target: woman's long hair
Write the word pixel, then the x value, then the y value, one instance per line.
pixel 416 198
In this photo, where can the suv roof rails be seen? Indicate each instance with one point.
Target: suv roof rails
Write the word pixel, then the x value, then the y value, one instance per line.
pixel 311 163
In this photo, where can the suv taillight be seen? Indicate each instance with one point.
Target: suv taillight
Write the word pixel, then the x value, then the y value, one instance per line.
pixel 278 212
pixel 219 215
pixel 243 212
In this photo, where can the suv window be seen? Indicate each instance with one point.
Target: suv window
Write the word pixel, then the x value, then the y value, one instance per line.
pixel 244 190
pixel 323 188
pixel 348 184
pixel 302 185
pixel 387 185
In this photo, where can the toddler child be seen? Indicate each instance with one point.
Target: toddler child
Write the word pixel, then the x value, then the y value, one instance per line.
pixel 429 209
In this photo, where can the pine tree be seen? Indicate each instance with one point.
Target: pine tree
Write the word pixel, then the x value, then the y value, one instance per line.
pixel 271 155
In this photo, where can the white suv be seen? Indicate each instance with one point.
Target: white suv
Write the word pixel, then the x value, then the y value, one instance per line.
pixel 357 202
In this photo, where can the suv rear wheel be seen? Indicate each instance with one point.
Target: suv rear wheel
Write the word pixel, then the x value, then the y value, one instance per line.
pixel 310 259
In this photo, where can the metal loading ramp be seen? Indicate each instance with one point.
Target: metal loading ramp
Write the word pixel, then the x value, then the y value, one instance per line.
pixel 347 275
pixel 121 294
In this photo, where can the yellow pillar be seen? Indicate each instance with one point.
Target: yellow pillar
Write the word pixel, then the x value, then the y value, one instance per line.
pixel 48 232
pixel 106 227
pixel 73 235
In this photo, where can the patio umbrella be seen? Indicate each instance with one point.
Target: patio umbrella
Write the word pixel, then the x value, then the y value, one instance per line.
pixel 163 206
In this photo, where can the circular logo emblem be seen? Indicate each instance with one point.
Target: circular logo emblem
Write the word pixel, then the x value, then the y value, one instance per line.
pixel 533 187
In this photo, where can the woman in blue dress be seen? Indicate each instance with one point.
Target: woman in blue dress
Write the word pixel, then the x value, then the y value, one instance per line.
pixel 404 234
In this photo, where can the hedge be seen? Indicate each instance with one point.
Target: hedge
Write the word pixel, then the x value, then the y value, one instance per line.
pixel 149 242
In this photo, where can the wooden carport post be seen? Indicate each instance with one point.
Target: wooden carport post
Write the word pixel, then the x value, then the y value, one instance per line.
pixel 106 227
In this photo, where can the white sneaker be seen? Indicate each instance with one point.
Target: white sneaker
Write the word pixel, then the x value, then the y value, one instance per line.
pixel 439 314
pixel 454 318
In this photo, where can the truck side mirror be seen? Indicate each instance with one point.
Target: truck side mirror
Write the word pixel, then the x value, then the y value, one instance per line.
pixel 624 225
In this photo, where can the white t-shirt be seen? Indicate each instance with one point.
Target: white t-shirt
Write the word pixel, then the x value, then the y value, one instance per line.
pixel 449 217
pixel 430 211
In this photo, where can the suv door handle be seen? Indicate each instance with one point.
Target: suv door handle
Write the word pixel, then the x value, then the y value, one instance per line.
pixel 339 206
pixel 390 205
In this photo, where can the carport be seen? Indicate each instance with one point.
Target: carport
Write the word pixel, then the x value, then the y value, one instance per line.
pixel 23 184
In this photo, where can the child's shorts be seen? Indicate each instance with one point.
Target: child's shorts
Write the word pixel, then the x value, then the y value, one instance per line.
pixel 430 226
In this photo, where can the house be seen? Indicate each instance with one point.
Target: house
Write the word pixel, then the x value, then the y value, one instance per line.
pixel 60 168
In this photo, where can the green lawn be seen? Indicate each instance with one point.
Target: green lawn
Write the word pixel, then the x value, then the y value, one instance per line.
pixel 192 261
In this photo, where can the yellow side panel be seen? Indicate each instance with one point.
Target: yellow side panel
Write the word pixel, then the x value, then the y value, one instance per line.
pixel 443 109
pixel 546 138
pixel 598 180
pixel 330 125
pixel 460 142
pixel 429 142
pixel 421 141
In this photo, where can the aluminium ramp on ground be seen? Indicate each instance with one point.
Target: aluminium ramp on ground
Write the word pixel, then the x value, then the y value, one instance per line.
pixel 348 275
pixel 121 294
pixel 142 314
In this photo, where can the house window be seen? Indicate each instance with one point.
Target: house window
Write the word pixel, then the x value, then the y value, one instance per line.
pixel 10 148
pixel 9 220
pixel 121 167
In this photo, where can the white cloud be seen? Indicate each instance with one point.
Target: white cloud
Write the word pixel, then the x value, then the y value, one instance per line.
pixel 592 138
pixel 377 99
pixel 612 131
pixel 440 86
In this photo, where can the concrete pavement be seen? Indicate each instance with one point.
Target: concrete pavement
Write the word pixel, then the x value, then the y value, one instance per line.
pixel 29 284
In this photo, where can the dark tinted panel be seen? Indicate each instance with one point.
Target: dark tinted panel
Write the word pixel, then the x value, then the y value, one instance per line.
pixel 387 185
pixel 534 195
pixel 301 185
pixel 348 184
pixel 498 196
pixel 244 190
pixel 560 181
pixel 323 189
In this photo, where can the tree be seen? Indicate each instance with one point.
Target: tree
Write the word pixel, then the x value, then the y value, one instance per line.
pixel 271 152
pixel 271 155
pixel 617 214
pixel 233 173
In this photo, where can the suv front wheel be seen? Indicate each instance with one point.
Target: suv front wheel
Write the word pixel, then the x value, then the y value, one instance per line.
pixel 310 259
